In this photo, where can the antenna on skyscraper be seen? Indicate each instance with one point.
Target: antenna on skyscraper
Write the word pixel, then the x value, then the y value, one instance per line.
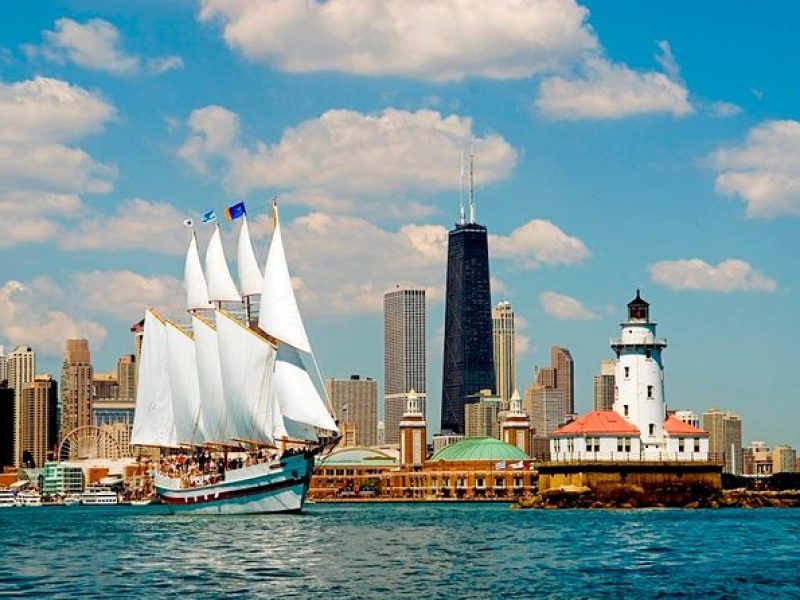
pixel 461 192
pixel 472 215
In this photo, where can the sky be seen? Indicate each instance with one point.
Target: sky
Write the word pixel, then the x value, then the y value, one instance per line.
pixel 618 145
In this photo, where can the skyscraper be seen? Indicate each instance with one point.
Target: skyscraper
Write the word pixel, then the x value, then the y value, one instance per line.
pixel 468 364
pixel 561 361
pixel 76 386
pixel 126 377
pixel 604 386
pixel 505 362
pixel 6 425
pixel 38 406
pixel 404 355
pixel 725 437
pixel 355 403
pixel 3 365
pixel 21 368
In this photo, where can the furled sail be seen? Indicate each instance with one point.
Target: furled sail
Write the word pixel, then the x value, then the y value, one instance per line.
pixel 250 278
pixel 220 283
pixel 153 422
pixel 184 386
pixel 194 280
pixel 209 377
pixel 278 314
pixel 295 392
pixel 247 361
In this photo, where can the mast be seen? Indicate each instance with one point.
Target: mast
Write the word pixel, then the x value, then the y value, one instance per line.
pixel 472 212
pixel 461 191
pixel 250 278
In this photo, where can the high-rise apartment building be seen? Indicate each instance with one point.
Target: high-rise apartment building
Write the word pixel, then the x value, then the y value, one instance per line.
pixel 481 416
pixel 404 356
pixel 6 425
pixel 38 405
pixel 725 438
pixel 784 459
pixel 561 361
pixel 104 386
pixel 604 386
pixel 505 361
pixel 126 377
pixel 21 369
pixel 76 386
pixel 468 362
pixel 3 365
pixel 355 404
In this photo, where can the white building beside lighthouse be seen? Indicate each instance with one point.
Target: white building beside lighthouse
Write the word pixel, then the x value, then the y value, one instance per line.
pixel 638 427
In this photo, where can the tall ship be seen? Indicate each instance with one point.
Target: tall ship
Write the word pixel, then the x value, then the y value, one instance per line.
pixel 228 398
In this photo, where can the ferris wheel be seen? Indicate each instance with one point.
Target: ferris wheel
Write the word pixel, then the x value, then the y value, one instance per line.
pixel 89 441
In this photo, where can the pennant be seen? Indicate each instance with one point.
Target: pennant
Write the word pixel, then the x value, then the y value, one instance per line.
pixel 209 216
pixel 234 212
pixel 188 223
pixel 517 465
pixel 500 465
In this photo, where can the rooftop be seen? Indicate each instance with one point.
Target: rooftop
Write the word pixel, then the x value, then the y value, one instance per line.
pixel 598 422
pixel 357 456
pixel 674 426
pixel 481 448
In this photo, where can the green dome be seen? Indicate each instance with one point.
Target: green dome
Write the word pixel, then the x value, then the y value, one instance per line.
pixel 356 456
pixel 483 448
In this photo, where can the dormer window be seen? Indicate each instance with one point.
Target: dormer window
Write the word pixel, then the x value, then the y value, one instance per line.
pixel 627 372
pixel 649 391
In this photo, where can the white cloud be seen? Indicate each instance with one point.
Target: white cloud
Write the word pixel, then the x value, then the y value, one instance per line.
pixel 37 118
pixel 95 45
pixel 522 341
pixel 613 91
pixel 163 64
pixel 443 40
pixel 27 217
pixel 347 152
pixel 724 109
pixel 539 242
pixel 45 110
pixel 137 225
pixel 27 316
pixel 729 275
pixel 565 308
pixel 126 294
pixel 764 171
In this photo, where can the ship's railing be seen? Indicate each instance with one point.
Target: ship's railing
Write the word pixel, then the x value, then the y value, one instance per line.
pixel 660 457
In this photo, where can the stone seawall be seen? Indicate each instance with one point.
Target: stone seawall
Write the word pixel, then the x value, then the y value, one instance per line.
pixel 630 483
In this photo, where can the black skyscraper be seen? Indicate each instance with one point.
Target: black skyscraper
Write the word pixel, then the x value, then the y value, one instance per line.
pixel 468 351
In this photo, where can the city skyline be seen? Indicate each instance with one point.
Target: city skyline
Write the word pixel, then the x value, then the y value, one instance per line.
pixel 584 201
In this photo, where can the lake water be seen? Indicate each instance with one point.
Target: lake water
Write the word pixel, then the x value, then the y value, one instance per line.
pixel 401 550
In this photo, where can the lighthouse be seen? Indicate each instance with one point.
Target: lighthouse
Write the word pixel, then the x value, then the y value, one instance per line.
pixel 413 438
pixel 639 377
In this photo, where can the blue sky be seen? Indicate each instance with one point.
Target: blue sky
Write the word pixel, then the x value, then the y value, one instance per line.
pixel 618 145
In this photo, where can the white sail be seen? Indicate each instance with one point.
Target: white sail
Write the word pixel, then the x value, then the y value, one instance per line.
pixel 153 421
pixel 193 278
pixel 209 377
pixel 295 392
pixel 278 314
pixel 220 283
pixel 184 385
pixel 247 361
pixel 250 278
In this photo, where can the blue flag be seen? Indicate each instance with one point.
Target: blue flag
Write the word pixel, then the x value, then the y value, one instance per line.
pixel 209 216
pixel 235 211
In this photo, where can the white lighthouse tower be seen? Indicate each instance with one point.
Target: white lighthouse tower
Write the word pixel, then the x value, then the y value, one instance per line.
pixel 639 376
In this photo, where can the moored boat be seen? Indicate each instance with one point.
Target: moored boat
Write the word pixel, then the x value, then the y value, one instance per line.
pixel 229 399
pixel 28 498
pixel 99 496
pixel 7 499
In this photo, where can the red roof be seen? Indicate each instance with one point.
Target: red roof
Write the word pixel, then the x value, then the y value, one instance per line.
pixel 674 426
pixel 598 422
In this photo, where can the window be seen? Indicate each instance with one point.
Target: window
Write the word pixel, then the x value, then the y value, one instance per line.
pixel 625 409
pixel 652 428
pixel 593 444
pixel 616 392
pixel 627 372
pixel 649 391
pixel 570 445
pixel 681 445
pixel 697 445
pixel 647 353
pixel 623 444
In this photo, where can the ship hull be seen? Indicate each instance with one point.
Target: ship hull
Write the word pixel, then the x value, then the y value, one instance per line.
pixel 264 488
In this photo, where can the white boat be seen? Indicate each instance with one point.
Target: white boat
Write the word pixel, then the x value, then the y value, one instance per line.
pixel 229 385
pixel 99 496
pixel 29 498
pixel 72 500
pixel 7 499
pixel 143 502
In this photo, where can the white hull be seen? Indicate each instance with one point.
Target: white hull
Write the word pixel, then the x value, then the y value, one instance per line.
pixel 263 488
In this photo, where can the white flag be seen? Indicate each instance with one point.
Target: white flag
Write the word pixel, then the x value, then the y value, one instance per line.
pixel 517 465
pixel 500 465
